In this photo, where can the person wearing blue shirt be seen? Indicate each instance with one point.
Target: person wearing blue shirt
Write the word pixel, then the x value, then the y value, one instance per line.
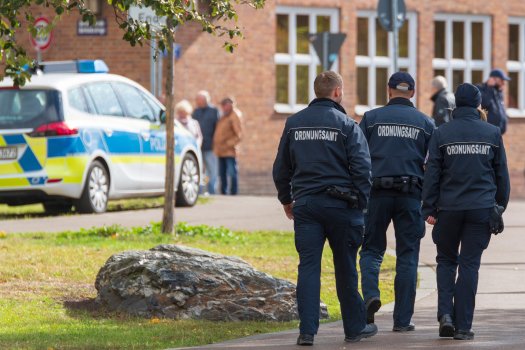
pixel 465 191
pixel 398 136
pixel 208 116
pixel 322 176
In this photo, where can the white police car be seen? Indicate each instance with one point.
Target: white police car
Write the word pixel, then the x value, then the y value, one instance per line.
pixel 74 138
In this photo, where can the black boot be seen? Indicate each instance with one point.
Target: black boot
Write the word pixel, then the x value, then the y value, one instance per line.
pixel 305 339
pixel 369 331
pixel 372 306
pixel 463 334
pixel 446 326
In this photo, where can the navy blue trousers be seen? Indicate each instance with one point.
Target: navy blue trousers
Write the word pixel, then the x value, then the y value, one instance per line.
pixel 457 270
pixel 228 170
pixel 316 219
pixel 409 226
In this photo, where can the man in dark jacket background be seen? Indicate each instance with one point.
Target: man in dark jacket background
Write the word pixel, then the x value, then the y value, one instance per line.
pixel 492 99
pixel 207 116
pixel 444 101
pixel 322 176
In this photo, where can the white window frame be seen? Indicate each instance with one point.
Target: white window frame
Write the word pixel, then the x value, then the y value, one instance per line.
pixel 519 67
pixel 292 58
pixel 467 64
pixel 372 61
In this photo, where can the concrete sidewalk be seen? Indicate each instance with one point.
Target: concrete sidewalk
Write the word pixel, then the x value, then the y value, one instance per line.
pixel 500 312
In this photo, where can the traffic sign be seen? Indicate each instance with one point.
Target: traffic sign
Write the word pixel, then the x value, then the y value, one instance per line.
pixel 327 46
pixel 43 37
pixel 384 14
pixel 146 14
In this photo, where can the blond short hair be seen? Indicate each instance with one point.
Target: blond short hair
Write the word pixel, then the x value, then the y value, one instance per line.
pixel 185 106
pixel 326 82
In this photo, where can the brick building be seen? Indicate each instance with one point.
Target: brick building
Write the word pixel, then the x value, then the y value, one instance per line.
pixel 272 71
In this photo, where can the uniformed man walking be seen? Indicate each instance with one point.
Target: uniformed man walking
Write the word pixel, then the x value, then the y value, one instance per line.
pixel 322 175
pixel 466 189
pixel 398 136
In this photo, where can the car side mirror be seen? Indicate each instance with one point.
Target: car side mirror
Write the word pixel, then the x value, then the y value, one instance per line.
pixel 162 117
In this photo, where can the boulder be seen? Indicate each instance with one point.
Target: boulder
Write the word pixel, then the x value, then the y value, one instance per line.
pixel 178 282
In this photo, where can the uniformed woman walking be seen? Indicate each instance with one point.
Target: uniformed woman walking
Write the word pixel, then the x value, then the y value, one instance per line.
pixel 466 178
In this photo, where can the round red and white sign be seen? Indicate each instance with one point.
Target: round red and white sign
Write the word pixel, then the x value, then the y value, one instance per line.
pixel 43 37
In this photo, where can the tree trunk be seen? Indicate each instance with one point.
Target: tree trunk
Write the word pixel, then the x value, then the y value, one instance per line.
pixel 168 216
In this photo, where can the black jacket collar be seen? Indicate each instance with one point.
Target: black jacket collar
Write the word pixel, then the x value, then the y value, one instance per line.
pixel 436 95
pixel 327 102
pixel 400 101
pixel 465 112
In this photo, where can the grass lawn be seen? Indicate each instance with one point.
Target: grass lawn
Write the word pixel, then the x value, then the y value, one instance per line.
pixel 46 287
pixel 37 210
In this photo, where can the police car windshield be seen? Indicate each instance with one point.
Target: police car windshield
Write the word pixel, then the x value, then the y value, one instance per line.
pixel 21 109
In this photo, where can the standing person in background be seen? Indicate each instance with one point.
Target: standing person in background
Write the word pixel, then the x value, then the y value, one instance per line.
pixel 183 111
pixel 492 99
pixel 444 101
pixel 465 191
pixel 207 116
pixel 225 144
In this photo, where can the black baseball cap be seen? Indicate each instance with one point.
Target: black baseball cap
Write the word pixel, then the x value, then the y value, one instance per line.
pixel 401 78
pixel 499 73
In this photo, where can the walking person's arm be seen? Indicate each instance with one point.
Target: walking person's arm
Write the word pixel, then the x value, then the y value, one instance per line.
pixel 432 180
pixel 359 162
pixel 502 175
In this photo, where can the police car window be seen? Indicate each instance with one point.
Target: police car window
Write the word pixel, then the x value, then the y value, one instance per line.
pixel 105 99
pixel 136 106
pixel 77 100
pixel 21 109
pixel 154 106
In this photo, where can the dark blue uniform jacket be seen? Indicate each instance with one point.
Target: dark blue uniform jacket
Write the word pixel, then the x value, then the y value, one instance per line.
pixel 467 166
pixel 320 147
pixel 398 136
pixel 492 101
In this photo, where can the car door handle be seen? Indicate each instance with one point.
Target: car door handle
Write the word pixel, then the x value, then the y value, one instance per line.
pixel 108 132
pixel 145 135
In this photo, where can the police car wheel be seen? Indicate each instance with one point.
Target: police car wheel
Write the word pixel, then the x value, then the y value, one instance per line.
pixel 57 207
pixel 94 197
pixel 188 189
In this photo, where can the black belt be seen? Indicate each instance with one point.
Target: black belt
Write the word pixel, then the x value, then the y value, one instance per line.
pixel 404 184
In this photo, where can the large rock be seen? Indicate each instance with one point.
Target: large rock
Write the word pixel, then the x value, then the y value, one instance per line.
pixel 179 282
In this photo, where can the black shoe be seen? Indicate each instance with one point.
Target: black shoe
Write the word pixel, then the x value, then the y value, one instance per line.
pixel 305 339
pixel 369 331
pixel 446 326
pixel 411 327
pixel 463 335
pixel 372 306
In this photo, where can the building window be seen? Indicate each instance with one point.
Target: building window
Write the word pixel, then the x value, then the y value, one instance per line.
pixel 373 60
pixel 516 67
pixel 462 48
pixel 296 62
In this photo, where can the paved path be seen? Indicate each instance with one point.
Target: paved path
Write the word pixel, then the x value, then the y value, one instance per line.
pixel 500 316
pixel 237 213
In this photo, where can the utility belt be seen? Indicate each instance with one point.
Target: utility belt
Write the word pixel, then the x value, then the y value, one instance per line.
pixel 347 194
pixel 403 184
